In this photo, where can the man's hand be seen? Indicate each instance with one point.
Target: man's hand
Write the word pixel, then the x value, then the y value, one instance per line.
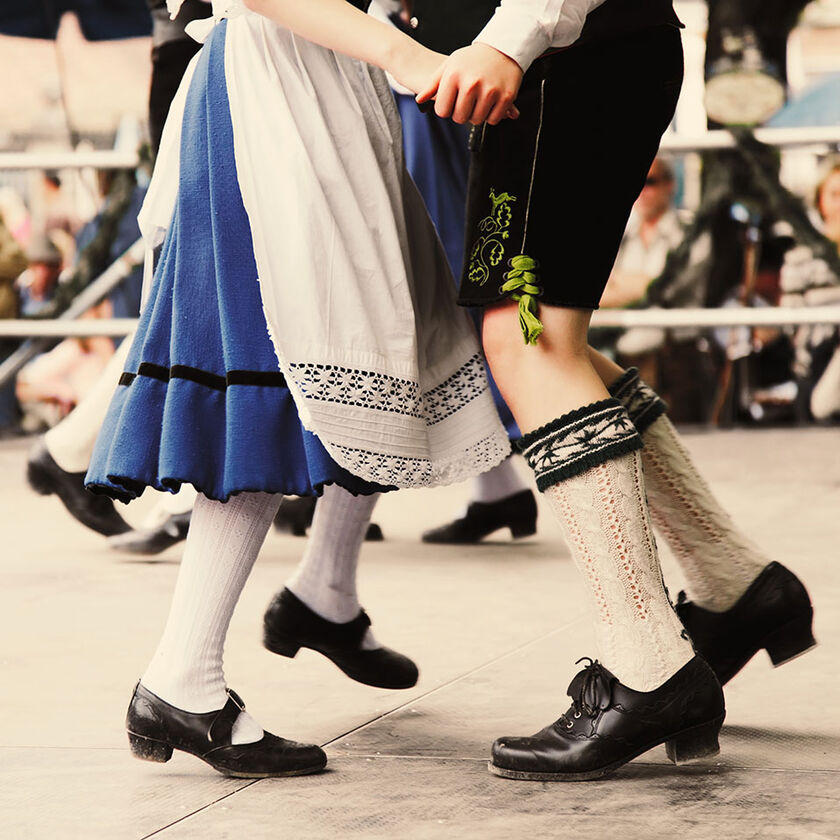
pixel 476 84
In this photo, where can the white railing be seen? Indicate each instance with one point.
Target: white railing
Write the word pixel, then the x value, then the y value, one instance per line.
pixel 29 328
pixel 781 137
pixel 736 316
pixel 766 316
pixel 719 139
pixel 103 159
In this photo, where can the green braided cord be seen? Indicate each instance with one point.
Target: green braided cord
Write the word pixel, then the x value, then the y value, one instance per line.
pixel 521 284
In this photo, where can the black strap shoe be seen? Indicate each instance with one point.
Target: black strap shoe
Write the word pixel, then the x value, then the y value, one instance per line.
pixel 775 614
pixel 95 511
pixel 155 729
pixel 154 540
pixel 290 625
pixel 517 512
pixel 609 724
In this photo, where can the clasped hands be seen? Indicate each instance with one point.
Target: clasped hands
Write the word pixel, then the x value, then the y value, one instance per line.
pixel 475 84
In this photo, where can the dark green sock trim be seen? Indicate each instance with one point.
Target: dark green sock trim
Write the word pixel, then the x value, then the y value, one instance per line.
pixel 643 404
pixel 564 420
pixel 608 453
pixel 629 377
pixel 578 441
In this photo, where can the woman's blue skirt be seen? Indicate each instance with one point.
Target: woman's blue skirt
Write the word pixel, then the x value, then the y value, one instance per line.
pixel 202 399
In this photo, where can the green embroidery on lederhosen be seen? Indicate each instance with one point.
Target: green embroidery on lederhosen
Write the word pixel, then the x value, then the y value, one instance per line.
pixel 489 249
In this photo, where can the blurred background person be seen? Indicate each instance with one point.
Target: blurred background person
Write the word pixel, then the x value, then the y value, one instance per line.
pixel 808 281
pixel 51 384
pixel 12 263
pixel 653 230
pixel 59 220
pixel 38 283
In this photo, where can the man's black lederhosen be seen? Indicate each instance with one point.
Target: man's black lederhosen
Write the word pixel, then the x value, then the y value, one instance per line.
pixel 550 193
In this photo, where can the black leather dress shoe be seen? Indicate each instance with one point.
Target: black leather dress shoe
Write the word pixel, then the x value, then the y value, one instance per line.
pixel 609 724
pixel 155 729
pixel 774 613
pixel 154 540
pixel 46 477
pixel 517 512
pixel 294 516
pixel 290 625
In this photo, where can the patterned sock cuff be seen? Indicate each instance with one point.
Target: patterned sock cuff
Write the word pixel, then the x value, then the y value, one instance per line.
pixel 581 439
pixel 643 404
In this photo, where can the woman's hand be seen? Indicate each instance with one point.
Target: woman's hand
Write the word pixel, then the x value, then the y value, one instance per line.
pixel 415 66
pixel 476 84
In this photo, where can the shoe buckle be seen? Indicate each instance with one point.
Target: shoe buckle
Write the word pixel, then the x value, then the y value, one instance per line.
pixel 237 700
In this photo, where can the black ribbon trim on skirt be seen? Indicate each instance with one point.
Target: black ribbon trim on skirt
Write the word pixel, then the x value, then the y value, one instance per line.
pixel 265 378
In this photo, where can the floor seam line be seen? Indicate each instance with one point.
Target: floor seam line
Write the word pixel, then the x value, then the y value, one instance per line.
pixel 450 682
pixel 197 811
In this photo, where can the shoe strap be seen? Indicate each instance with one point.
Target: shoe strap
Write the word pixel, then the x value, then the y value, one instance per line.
pixel 354 631
pixel 221 729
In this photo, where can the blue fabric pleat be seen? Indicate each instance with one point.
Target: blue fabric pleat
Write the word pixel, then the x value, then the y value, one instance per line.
pixel 202 400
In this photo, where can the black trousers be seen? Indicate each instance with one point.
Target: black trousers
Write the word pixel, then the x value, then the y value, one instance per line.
pixel 557 184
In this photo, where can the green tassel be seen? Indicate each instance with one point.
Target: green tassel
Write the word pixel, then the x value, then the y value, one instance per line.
pixel 521 284
pixel 531 325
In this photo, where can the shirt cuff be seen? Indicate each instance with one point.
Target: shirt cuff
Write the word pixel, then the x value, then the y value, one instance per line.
pixel 515 34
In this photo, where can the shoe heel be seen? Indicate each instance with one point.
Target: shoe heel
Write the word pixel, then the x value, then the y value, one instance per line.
pixel 38 480
pixel 789 641
pixel 284 647
pixel 523 529
pixel 698 742
pixel 149 750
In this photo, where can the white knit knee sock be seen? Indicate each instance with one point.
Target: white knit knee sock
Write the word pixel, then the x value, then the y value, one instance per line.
pixel 496 484
pixel 222 545
pixel 589 469
pixel 325 579
pixel 718 560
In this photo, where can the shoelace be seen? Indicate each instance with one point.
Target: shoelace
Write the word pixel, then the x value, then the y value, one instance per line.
pixel 590 690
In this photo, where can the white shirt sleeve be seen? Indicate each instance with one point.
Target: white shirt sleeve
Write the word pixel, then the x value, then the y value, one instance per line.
pixel 524 29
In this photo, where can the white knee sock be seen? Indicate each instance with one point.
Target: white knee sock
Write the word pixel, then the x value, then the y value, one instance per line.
pixel 718 560
pixel 325 579
pixel 604 519
pixel 588 466
pixel 499 483
pixel 222 545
